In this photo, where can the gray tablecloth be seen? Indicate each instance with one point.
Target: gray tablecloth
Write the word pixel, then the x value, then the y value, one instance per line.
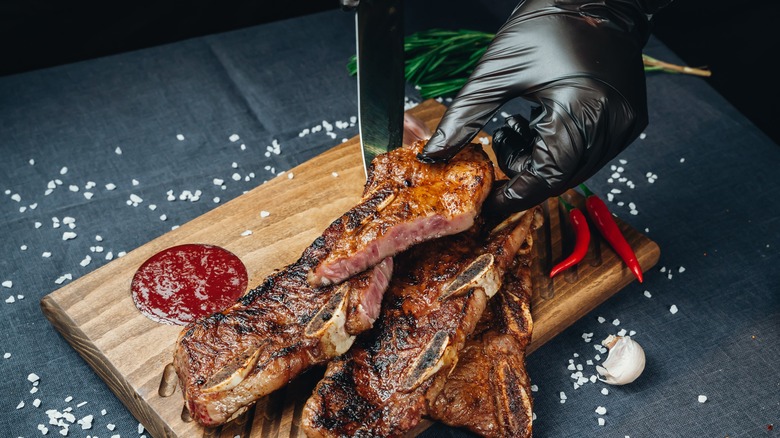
pixel 78 141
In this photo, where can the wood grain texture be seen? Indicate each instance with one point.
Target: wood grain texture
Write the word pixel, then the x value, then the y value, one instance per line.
pixel 96 314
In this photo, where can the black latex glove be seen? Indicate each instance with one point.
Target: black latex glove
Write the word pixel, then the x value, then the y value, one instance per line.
pixel 580 61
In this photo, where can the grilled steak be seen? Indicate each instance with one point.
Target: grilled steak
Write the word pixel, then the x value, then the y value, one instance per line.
pixel 229 360
pixel 404 203
pixel 385 383
pixel 489 391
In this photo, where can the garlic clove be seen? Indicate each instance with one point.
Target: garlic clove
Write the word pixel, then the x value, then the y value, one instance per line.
pixel 625 362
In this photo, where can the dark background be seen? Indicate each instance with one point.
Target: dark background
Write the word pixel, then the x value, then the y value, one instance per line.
pixel 736 40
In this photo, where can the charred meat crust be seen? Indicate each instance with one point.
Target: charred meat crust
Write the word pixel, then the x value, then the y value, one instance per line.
pixel 385 383
pixel 404 203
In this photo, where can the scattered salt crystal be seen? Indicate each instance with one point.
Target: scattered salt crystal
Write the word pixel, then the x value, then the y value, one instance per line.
pixel 135 198
pixel 534 388
pixel 23 247
pixel 33 390
pixel 236 177
pixel 663 269
pixel 616 322
pixel 610 197
pixel 118 150
pixel 632 333
pixel 135 182
pixel 68 235
pixel 109 255
pixel 6 355
pixel 64 170
pixel 615 191
pixel 563 395
pixel 601 410
pixel 8 283
pixel 102 412
pixel 673 309
pixel 32 377
pixel 179 137
pixel 218 181
pixel 234 165
pixel 37 402
pixel 234 138
pixel 243 147
pixel 73 188
pixel 10 299
pixel 633 212
pixel 642 136
pixel 620 204
pixel 86 261
pixel 622 332
pixel 38 224
pixel 681 270
pixel 335 174
pixel 110 426
pixel 81 404
pixel 290 175
pixel 153 207
pixel 702 398
pixel 140 428
pixel 216 199
pixel 247 233
pixel 163 217
pixel 648 294
pixel 601 421
pixel 484 140
pixel 88 195
pixel 86 421
pixel 68 399
pixel 46 254
pixel 264 213
pixel 601 319
pixel 110 186
pixel 682 160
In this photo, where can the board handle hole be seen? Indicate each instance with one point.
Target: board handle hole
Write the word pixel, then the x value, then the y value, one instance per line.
pixel 168 381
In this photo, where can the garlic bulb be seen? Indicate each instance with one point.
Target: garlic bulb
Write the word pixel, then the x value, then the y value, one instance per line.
pixel 625 362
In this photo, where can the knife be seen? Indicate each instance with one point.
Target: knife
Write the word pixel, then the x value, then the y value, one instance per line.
pixel 380 76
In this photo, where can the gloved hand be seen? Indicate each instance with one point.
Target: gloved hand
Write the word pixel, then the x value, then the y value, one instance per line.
pixel 580 62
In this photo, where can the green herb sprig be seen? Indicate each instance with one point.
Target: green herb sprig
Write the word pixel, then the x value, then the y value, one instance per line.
pixel 438 62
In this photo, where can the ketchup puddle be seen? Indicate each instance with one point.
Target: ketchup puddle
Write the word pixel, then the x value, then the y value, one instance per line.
pixel 184 283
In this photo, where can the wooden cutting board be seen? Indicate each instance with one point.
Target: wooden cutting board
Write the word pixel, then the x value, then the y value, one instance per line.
pixel 96 314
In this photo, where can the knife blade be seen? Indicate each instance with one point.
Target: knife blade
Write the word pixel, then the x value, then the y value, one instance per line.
pixel 380 76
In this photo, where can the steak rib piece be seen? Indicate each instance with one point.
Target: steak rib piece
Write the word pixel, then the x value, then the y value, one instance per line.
pixel 384 384
pixel 489 391
pixel 404 202
pixel 231 359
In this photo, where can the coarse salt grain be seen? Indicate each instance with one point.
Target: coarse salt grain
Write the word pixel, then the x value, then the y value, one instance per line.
pixel 10 299
pixel 702 398
pixel 335 174
pixel 605 391
pixel 616 322
pixel 648 294
pixel 673 309
pixel 6 355
pixel 134 182
pixel 179 137
pixel 163 217
pixel 247 233
pixel 110 426
pixel 236 177
pixel 118 150
pixel 135 199
pixel 601 410
pixel 264 213
pixel 86 261
pixel 8 283
pixel 216 199
pixel 234 138
pixel 32 377
pixel 37 402
pixel 68 235
pixel 601 421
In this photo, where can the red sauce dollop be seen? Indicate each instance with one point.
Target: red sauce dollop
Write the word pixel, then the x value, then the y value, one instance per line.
pixel 184 283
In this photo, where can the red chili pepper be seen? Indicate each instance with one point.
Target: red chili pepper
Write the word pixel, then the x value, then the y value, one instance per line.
pixel 602 217
pixel 582 239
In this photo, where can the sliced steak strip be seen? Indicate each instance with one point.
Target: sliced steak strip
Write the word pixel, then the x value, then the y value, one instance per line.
pixel 404 202
pixel 229 360
pixel 385 383
pixel 489 391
